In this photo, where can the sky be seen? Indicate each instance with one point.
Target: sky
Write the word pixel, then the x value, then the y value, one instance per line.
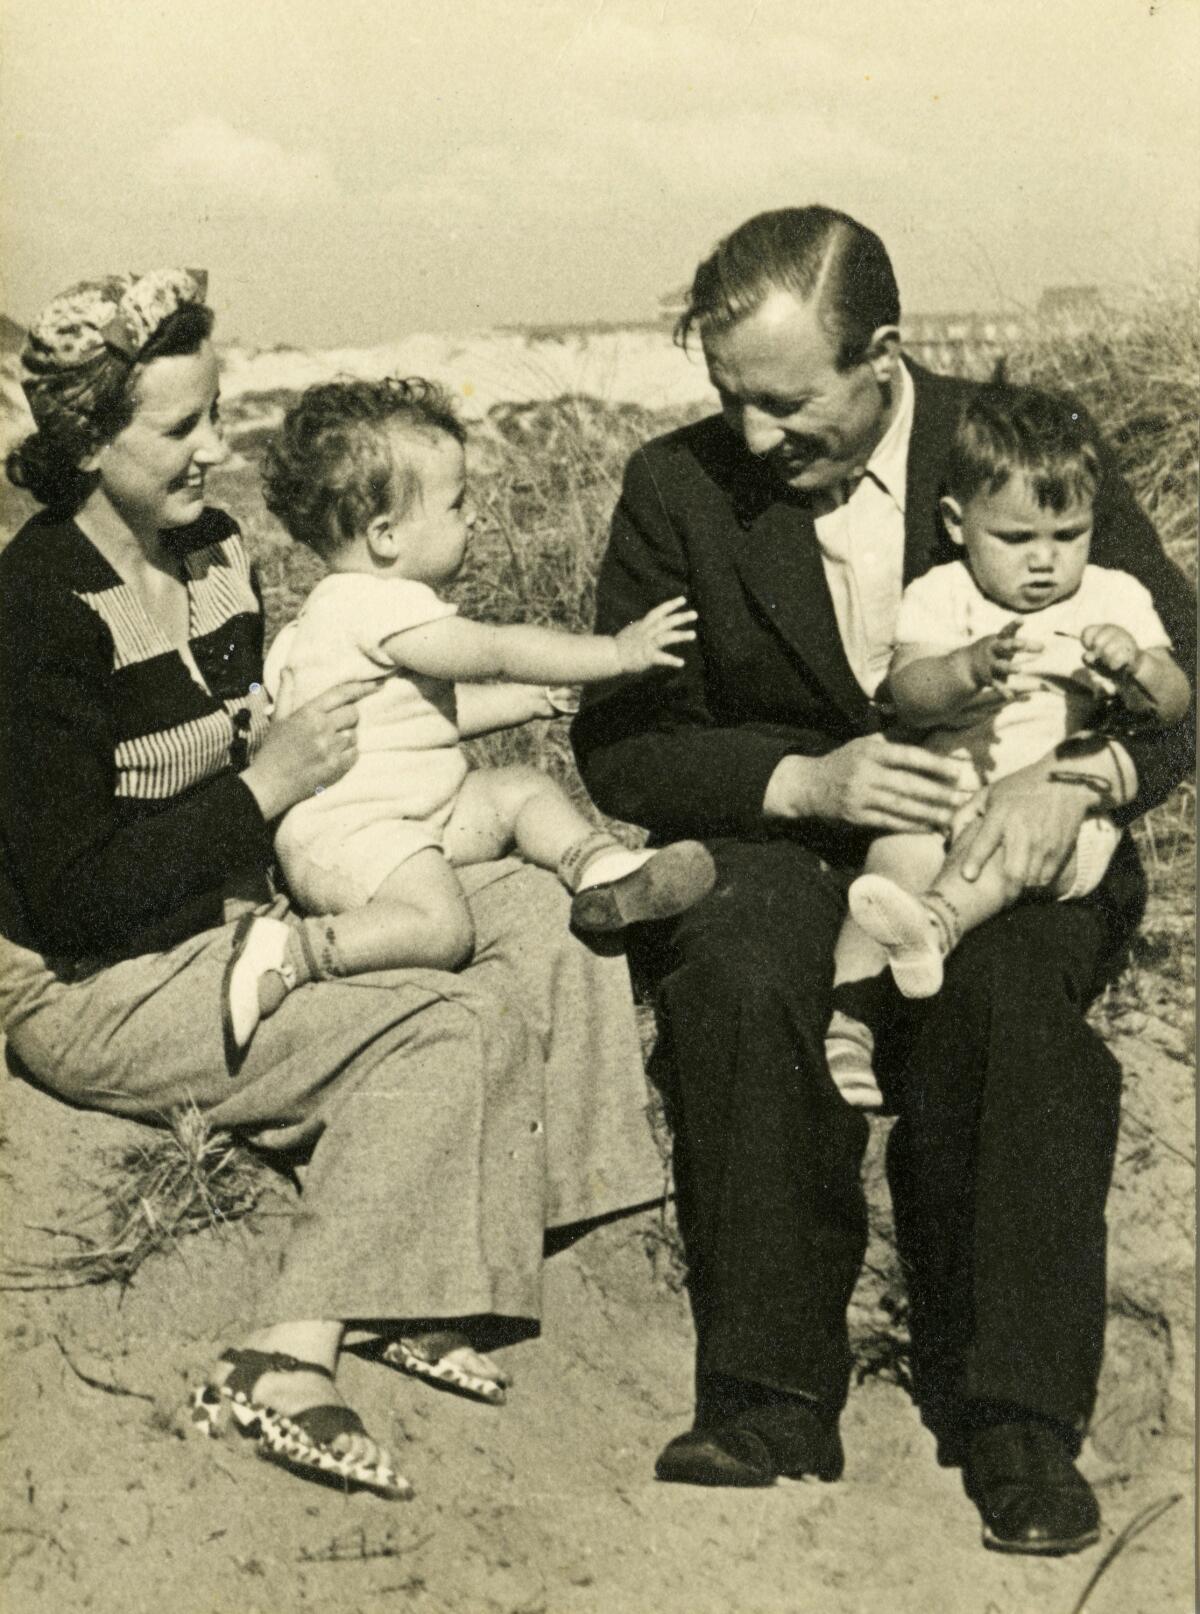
pixel 350 171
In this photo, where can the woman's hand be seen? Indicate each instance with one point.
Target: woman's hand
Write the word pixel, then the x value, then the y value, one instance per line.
pixel 306 748
pixel 1031 822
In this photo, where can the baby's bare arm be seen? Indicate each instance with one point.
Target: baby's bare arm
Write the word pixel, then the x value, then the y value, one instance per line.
pixel 484 708
pixel 470 652
pixel 1160 677
pixel 929 685
pixel 1147 680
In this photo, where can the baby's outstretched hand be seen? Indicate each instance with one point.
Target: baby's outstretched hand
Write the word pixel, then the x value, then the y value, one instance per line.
pixel 1110 648
pixel 997 658
pixel 643 644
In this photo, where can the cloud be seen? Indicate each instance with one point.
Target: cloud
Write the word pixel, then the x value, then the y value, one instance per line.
pixel 240 168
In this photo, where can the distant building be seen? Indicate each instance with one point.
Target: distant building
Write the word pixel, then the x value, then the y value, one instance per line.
pixel 1070 302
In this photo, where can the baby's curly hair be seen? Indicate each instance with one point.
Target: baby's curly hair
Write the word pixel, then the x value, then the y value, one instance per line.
pixel 331 468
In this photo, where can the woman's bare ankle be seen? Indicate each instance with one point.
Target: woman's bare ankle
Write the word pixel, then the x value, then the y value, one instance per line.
pixel 315 1340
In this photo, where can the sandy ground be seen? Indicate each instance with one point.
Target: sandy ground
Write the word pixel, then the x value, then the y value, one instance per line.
pixel 547 1505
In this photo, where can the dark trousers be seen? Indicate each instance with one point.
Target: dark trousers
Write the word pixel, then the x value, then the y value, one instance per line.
pixel 999 1163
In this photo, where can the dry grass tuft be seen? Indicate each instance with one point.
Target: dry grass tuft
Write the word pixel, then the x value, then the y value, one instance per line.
pixel 186 1179
pixel 1137 369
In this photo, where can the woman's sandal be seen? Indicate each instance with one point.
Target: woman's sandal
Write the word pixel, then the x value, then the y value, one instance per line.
pixel 427 1356
pixel 301 1440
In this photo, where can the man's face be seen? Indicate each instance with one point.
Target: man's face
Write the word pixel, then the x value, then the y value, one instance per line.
pixel 782 393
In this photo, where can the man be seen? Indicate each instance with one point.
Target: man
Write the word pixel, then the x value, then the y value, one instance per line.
pixel 792 521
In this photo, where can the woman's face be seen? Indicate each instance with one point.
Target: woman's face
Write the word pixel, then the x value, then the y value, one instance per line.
pixel 153 470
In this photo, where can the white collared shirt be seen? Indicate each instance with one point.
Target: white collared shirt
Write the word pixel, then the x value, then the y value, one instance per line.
pixel 862 548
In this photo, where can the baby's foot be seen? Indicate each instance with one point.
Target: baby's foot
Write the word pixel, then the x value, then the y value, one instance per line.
pixel 620 887
pixel 849 1048
pixel 905 928
pixel 257 979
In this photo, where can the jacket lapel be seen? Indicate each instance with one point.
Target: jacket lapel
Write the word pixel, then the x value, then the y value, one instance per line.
pixel 779 562
pixel 935 415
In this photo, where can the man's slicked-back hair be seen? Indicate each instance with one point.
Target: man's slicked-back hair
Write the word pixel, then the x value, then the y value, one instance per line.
pixel 816 253
pixel 1008 430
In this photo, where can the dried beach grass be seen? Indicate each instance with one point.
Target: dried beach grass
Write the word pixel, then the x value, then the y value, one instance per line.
pixel 184 1179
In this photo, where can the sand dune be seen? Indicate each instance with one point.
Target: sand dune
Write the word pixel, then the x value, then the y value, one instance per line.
pixel 481 369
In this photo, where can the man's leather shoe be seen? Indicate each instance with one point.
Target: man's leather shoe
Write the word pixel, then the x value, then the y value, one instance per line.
pixel 1029 1493
pixel 724 1455
pixel 755 1447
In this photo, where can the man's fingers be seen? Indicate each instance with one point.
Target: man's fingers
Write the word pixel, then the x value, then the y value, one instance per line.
pixel 931 796
pixel 912 759
pixel 986 837
pixel 897 820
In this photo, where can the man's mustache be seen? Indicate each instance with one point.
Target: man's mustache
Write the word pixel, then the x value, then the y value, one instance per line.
pixel 798 450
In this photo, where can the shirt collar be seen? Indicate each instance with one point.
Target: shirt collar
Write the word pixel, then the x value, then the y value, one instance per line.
pixel 888 465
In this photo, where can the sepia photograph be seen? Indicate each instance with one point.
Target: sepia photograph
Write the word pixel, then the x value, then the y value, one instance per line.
pixel 705 493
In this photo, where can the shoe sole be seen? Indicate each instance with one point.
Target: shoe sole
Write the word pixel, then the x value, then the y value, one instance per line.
pixel 727 1474
pixel 828 1473
pixel 234 1051
pixel 737 1482
pixel 1040 1549
pixel 669 883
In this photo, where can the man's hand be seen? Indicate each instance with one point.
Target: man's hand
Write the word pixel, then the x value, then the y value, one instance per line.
pixel 996 659
pixel 872 782
pixel 643 644
pixel 1031 822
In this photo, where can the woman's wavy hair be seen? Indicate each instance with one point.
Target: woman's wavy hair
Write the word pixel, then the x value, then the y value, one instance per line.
pixel 332 466
pixel 48 463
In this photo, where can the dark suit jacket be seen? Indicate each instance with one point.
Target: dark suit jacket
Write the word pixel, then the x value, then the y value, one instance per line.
pixel 691 752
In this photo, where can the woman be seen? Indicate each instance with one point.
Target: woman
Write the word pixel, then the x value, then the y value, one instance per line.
pixel 454 1117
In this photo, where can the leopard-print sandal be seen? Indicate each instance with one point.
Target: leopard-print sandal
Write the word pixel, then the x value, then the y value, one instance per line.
pixel 301 1440
pixel 427 1356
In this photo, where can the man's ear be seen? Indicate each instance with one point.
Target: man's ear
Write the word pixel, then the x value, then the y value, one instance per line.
pixel 951 517
pixel 883 353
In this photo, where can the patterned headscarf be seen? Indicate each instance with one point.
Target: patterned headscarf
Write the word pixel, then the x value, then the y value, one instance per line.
pixel 91 329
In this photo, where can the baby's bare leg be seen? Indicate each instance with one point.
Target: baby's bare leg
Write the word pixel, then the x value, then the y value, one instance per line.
pixel 614 886
pixel 919 931
pixel 418 916
pixel 499 809
pixel 964 904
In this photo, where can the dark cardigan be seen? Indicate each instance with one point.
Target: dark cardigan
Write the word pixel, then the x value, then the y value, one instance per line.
pixel 121 811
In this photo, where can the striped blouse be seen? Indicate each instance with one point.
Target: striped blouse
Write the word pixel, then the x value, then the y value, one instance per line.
pixel 122 815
